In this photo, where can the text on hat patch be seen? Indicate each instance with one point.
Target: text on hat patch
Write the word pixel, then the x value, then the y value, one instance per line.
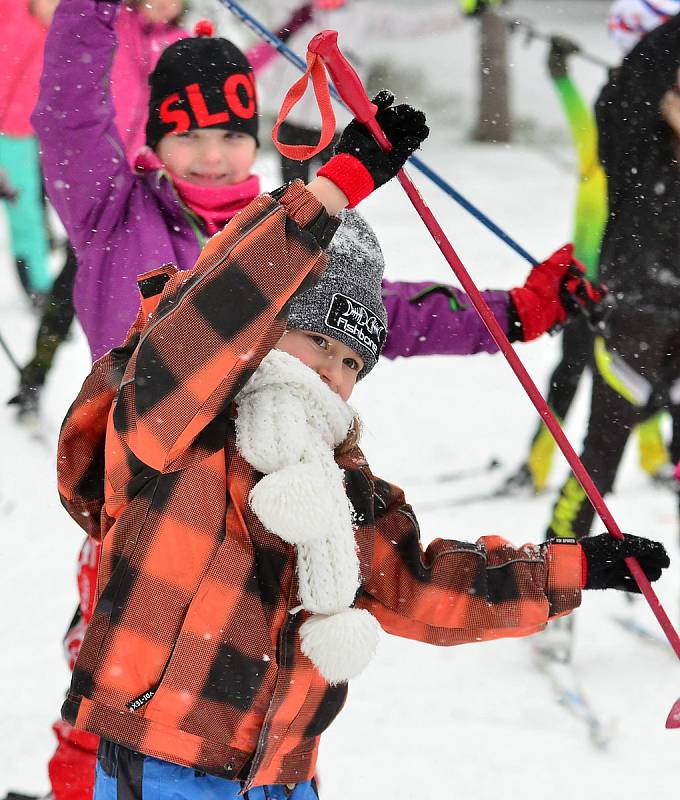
pixel 353 319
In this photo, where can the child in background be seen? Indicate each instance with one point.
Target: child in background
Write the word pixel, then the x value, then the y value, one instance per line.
pixel 122 222
pixel 250 556
pixel 144 29
pixel 22 37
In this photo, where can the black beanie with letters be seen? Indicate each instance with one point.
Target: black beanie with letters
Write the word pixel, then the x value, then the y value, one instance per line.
pixel 201 82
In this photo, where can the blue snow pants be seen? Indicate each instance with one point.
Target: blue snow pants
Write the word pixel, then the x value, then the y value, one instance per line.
pixel 125 775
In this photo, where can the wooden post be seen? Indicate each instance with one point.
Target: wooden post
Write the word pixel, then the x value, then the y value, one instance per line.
pixel 494 123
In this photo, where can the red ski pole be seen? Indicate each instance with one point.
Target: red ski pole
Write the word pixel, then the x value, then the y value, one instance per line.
pixel 351 89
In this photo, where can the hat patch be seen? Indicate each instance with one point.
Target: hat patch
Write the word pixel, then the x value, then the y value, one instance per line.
pixel 352 318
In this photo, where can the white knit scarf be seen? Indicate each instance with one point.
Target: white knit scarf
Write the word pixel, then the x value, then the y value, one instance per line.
pixel 288 425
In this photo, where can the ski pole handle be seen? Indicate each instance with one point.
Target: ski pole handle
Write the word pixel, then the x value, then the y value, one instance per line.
pixel 347 83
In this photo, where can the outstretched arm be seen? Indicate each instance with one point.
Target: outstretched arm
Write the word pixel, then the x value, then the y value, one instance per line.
pixel 456 592
pixel 86 171
pixel 437 319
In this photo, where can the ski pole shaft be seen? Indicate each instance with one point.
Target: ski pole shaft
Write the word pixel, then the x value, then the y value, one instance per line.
pixel 517 23
pixel 479 215
pixel 353 93
pixel 9 354
pixel 264 33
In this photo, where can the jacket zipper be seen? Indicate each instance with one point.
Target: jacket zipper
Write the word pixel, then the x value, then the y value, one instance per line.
pixel 266 726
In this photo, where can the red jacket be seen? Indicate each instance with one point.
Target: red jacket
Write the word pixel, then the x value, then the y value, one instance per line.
pixel 193 652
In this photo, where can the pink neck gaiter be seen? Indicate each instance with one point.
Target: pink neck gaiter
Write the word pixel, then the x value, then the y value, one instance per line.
pixel 217 204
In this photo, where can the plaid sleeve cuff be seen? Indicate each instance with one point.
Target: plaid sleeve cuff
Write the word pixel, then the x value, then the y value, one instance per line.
pixel 565 573
pixel 308 212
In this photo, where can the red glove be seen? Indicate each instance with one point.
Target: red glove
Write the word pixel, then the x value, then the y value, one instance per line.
pixel 556 289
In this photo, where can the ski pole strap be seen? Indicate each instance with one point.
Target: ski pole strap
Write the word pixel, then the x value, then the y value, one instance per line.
pixel 302 152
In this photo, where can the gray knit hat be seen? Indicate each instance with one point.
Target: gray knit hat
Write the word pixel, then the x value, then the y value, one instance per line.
pixel 346 303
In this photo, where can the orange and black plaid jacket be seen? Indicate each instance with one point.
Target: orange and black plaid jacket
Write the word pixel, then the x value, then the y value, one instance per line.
pixel 193 654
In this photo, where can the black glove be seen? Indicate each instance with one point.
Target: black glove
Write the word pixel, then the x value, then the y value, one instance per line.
pixel 605 565
pixel 406 130
pixel 560 50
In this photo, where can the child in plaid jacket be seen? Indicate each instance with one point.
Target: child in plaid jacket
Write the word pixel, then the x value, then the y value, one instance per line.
pixel 249 553
pixel 122 222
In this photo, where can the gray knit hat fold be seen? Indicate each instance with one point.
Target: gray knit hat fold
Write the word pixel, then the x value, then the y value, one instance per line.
pixel 346 304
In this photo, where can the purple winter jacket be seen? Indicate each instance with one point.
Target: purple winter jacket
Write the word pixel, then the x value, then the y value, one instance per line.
pixel 123 223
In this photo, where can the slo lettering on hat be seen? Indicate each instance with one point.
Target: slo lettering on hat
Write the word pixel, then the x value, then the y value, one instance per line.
pixel 241 104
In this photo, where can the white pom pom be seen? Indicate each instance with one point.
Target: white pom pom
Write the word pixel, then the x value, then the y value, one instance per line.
pixel 340 645
pixel 294 503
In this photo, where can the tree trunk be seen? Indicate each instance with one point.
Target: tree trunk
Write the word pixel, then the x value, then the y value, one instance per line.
pixel 494 123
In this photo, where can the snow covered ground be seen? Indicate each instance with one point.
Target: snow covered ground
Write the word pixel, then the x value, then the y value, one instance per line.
pixel 470 722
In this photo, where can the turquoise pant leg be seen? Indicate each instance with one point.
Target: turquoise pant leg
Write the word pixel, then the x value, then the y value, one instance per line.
pixel 19 158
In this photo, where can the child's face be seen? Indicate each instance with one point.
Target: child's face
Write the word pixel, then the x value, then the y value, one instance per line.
pixel 161 10
pixel 336 364
pixel 210 157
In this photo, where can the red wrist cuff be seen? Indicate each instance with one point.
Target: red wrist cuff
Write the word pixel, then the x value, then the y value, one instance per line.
pixel 350 176
pixel 584 569
pixel 535 314
pixel 525 305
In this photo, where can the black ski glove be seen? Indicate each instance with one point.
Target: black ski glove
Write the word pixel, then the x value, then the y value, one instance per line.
pixel 560 50
pixel 359 165
pixel 605 567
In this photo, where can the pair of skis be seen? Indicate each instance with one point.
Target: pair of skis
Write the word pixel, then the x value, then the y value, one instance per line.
pixel 517 483
pixel 567 688
pixel 552 656
pixel 509 487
